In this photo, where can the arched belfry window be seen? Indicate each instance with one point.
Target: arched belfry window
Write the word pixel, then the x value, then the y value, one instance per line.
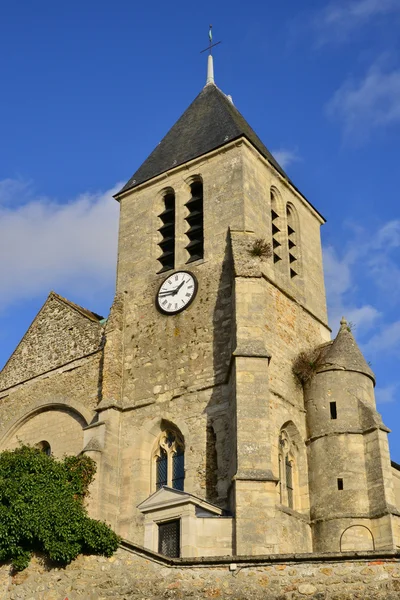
pixel 292 237
pixel 287 466
pixel 276 228
pixel 195 220
pixel 167 230
pixel 169 460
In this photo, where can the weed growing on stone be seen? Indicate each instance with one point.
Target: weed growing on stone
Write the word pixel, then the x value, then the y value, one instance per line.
pixel 261 248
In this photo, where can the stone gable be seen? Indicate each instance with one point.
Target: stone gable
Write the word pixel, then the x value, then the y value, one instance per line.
pixel 61 332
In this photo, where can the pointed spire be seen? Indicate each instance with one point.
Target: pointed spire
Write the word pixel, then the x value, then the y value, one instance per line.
pixel 344 353
pixel 210 70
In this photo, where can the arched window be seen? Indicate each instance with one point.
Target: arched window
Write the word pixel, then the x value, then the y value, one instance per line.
pixel 287 464
pixel 195 220
pixel 169 460
pixel 167 230
pixel 276 229
pixel 292 241
pixel 44 446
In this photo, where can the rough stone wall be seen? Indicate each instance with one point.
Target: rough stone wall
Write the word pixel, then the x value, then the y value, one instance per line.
pixel 165 355
pixel 177 369
pixel 127 576
pixel 356 444
pixel 396 483
pixel 62 429
pixel 74 385
pixel 58 335
pixel 258 179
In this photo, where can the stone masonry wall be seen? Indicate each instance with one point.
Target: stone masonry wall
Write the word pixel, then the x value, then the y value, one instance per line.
pixel 127 576
pixel 58 335
pixel 74 385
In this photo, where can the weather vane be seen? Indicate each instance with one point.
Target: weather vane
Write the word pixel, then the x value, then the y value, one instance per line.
pixel 210 45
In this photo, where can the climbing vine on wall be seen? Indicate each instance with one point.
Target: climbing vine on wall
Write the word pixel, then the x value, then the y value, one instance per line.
pixel 42 508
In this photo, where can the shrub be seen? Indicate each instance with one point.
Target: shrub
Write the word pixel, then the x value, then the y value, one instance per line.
pixel 305 365
pixel 261 248
pixel 42 508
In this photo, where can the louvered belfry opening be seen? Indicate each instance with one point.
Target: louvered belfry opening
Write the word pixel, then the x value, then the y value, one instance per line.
pixel 292 243
pixel 195 233
pixel 276 232
pixel 167 230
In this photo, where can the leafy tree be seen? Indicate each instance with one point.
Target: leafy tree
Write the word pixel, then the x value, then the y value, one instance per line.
pixel 42 508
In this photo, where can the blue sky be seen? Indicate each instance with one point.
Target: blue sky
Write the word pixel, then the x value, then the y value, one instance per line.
pixel 89 88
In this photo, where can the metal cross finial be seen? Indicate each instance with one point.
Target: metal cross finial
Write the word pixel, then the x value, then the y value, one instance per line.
pixel 210 45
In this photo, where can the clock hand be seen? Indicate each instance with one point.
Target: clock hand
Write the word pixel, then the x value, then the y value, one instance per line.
pixel 179 287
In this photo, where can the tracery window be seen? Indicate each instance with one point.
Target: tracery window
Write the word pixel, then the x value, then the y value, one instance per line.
pixel 287 465
pixel 169 460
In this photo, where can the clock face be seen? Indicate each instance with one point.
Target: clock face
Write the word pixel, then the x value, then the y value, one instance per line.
pixel 176 292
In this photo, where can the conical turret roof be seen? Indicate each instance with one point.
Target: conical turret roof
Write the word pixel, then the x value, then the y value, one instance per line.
pixel 210 121
pixel 345 354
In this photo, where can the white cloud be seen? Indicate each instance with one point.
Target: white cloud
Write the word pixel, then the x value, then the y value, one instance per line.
pixel 339 285
pixel 367 104
pixel 47 245
pixel 285 157
pixel 386 340
pixel 385 395
pixel 338 20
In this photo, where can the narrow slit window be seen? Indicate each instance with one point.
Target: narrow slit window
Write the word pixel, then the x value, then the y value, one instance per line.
pixel 195 220
pixel 167 230
pixel 178 469
pixel 162 469
pixel 289 481
pixel 340 484
pixel 332 406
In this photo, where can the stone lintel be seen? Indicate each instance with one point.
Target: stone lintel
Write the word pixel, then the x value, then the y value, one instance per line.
pixel 251 349
pixel 255 475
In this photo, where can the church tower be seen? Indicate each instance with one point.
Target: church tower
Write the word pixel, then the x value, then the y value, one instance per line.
pixel 189 396
pixel 220 285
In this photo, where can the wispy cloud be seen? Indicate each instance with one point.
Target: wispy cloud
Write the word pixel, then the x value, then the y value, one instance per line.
pixel 286 157
pixel 371 102
pixel 385 395
pixel 386 340
pixel 365 267
pixel 339 279
pixel 338 20
pixel 47 245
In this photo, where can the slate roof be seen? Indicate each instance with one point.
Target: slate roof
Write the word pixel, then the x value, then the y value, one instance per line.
pixel 210 122
pixel 345 354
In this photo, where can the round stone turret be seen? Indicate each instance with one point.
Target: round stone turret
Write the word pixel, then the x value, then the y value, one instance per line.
pixel 346 450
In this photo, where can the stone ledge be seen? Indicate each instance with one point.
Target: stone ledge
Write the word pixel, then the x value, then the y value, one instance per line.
pixel 248 560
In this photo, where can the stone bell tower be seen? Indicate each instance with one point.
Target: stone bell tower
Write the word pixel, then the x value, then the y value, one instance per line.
pixel 219 286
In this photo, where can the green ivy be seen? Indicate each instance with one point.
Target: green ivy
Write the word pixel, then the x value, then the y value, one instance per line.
pixel 42 508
